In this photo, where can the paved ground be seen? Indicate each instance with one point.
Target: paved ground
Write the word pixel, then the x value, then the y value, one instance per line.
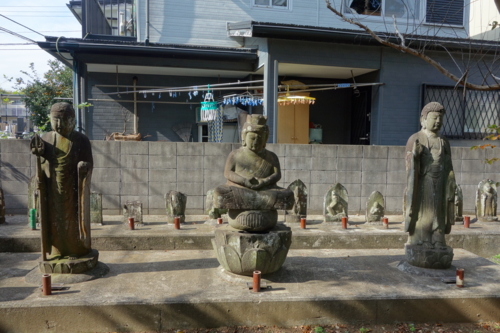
pixel 154 290
pixel 482 239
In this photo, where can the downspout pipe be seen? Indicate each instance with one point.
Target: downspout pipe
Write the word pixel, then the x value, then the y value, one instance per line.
pixel 146 42
pixel 135 105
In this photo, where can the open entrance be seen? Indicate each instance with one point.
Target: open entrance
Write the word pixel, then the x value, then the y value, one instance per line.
pixel 341 110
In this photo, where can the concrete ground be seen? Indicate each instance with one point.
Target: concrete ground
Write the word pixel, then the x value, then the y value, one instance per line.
pixel 155 290
pixel 482 239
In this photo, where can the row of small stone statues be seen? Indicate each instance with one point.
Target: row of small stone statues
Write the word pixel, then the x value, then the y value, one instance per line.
pixel 335 205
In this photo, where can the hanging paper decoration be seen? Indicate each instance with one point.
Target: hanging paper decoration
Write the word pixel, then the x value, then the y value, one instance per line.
pixel 244 99
pixel 208 107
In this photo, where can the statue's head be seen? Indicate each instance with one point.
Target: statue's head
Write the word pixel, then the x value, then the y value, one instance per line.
pixel 431 117
pixel 62 118
pixel 255 132
pixel 487 187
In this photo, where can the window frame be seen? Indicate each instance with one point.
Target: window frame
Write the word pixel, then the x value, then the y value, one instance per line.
pixel 271 7
pixel 444 24
pixel 346 10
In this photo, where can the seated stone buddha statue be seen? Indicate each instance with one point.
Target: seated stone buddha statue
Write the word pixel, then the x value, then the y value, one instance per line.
pixel 251 194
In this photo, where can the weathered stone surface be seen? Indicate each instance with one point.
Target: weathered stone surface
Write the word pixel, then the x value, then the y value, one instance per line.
pixel 132 209
pixel 438 258
pixel 244 252
pixel 64 165
pixel 375 207
pixel 252 173
pixel 175 204
pixel 96 208
pixel 459 204
pixel 69 265
pixel 335 203
pixel 486 201
pixel 212 212
pixel 428 211
pixel 252 220
pixel 299 208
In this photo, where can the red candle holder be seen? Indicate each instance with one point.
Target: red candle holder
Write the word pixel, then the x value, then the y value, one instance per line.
pixel 466 221
pixel 177 223
pixel 344 222
pixel 302 223
pixel 46 285
pixel 256 281
pixel 131 223
pixel 460 277
pixel 219 220
pixel 385 222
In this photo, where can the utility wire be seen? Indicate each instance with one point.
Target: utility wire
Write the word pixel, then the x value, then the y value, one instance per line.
pixel 16 34
pixel 3 44
pixel 22 25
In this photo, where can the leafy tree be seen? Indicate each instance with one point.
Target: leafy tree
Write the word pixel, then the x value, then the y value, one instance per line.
pixel 41 92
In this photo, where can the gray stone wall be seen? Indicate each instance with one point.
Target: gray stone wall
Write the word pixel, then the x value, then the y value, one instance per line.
pixel 147 170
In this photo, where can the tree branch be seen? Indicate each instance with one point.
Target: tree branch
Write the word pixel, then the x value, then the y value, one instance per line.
pixel 403 48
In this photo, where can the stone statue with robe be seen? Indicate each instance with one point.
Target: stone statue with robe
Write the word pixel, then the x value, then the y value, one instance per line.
pixel 486 201
pixel 429 200
pixel 64 169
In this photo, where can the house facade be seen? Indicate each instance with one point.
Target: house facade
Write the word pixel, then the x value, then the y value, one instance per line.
pixel 145 66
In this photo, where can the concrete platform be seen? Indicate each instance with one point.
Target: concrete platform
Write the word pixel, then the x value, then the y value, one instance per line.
pixel 155 290
pixel 482 239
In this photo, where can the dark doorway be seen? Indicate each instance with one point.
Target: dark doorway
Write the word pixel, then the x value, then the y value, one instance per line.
pixel 360 116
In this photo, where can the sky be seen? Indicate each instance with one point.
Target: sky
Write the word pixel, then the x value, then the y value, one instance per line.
pixel 49 18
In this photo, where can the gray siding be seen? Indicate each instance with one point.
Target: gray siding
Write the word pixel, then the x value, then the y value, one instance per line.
pixel 155 119
pixel 203 22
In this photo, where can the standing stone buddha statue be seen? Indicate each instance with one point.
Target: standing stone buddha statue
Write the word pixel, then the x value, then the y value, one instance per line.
pixel 430 193
pixel 64 169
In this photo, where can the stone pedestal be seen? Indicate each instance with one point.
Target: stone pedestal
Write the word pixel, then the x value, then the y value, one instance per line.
pixel 244 252
pixel 252 220
pixel 132 209
pixel 420 256
pixel 66 265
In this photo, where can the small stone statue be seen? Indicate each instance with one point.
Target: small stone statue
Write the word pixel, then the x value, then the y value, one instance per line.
pixel 133 209
pixel 375 207
pixel 96 208
pixel 175 203
pixel 2 207
pixel 64 169
pixel 299 208
pixel 252 240
pixel 486 201
pixel 212 212
pixel 430 193
pixel 459 204
pixel 335 204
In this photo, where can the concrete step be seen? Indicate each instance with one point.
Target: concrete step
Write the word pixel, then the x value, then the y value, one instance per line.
pixel 482 239
pixel 158 290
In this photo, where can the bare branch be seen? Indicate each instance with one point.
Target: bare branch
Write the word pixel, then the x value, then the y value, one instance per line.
pixel 420 54
pixel 397 31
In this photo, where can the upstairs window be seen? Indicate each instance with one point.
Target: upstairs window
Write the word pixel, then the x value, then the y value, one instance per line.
pixel 383 8
pixel 279 4
pixel 449 12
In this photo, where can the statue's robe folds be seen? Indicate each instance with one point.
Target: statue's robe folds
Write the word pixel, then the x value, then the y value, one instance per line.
pixel 66 206
pixel 430 192
pixel 235 196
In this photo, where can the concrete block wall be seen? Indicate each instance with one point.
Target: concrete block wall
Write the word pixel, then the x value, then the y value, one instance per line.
pixel 145 171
